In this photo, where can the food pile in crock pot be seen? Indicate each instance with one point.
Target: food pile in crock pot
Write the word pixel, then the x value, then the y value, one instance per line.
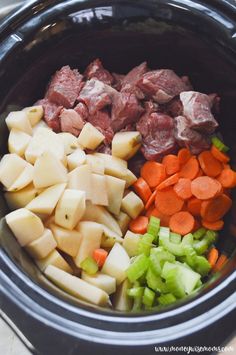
pixel 118 185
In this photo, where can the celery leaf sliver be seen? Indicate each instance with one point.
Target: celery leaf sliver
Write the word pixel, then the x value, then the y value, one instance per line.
pixel 166 299
pixel 148 297
pixel 138 267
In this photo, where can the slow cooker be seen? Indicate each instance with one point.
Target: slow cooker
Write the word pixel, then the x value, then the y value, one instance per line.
pixel 197 38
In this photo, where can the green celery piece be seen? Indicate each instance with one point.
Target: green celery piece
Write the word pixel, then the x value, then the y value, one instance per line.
pixel 89 265
pixel 137 305
pixel 219 144
pixel 173 283
pixel 138 267
pixel 148 297
pixel 196 262
pixel 175 238
pixel 199 233
pixel 211 236
pixel 175 249
pixel 154 227
pixel 145 244
pixel 200 246
pixel 158 256
pixel 135 292
pixel 155 282
pixel 166 299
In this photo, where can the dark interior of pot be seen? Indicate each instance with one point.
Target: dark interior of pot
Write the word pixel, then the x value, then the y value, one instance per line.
pixel 122 36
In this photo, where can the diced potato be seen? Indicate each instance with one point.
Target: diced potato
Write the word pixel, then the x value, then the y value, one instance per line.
pixel 130 178
pixel 116 264
pixel 55 259
pixel 70 142
pixel 41 247
pixel 100 215
pixel 46 201
pixel 24 179
pixel 48 171
pixel 25 225
pixel 91 233
pixel 44 140
pixel 131 242
pixel 102 281
pixel 67 241
pixel 18 141
pixel 115 190
pixel 77 287
pixel 90 137
pixel 39 125
pixel 11 166
pixel 121 301
pixel 114 166
pixel 96 164
pixel 109 238
pixel 76 159
pixel 99 190
pixel 132 205
pixel 81 179
pixel 126 144
pixel 107 158
pixel 123 220
pixel 34 114
pixel 21 198
pixel 50 220
pixel 70 208
pixel 19 120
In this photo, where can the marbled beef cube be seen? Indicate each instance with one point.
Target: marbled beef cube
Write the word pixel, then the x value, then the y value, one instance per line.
pixel 51 114
pixel 102 121
pixel 96 70
pixel 71 121
pixel 130 81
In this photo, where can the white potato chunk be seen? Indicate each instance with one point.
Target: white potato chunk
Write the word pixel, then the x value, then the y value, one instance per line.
pixel 55 259
pixel 41 247
pixel 68 241
pixel 25 225
pixel 100 215
pixel 76 287
pixel 76 159
pixel 123 221
pixel 90 137
pixel 132 205
pixel 81 179
pixel 70 142
pixel 70 208
pixel 21 198
pixel 102 281
pixel 114 166
pixel 18 141
pixel 121 301
pixel 19 120
pixel 44 140
pixel 24 179
pixel 130 178
pixel 39 125
pixel 126 144
pixel 131 242
pixel 11 166
pixel 115 190
pixel 46 201
pixel 91 233
pixel 96 164
pixel 34 114
pixel 109 238
pixel 99 190
pixel 48 171
pixel 107 158
pixel 116 264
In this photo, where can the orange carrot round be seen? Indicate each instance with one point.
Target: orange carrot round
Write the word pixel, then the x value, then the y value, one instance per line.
pixel 168 202
pixel 194 206
pixel 100 255
pixel 151 200
pixel 214 226
pixel 149 211
pixel 182 222
pixel 153 173
pixel 171 164
pixel 227 178
pixel 221 156
pixel 190 169
pixel 184 155
pixel 171 180
pixel 209 164
pixel 183 188
pixel 212 256
pixel 200 173
pixel 139 225
pixel 215 209
pixel 205 187
pixel 142 189
pixel 163 218
pixel 222 260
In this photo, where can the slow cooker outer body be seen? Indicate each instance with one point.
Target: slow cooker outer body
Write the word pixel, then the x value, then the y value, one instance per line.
pixel 192 37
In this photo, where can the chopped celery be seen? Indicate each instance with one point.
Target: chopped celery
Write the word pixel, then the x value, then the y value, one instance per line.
pixel 153 226
pixel 166 299
pixel 211 236
pixel 148 297
pixel 219 144
pixel 175 249
pixel 158 256
pixel 199 233
pixel 145 244
pixel 196 262
pixel 200 246
pixel 164 232
pixel 173 283
pixel 89 265
pixel 155 282
pixel 138 267
pixel 175 238
pixel 135 292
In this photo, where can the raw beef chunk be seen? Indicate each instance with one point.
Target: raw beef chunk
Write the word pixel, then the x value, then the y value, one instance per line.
pixel 96 70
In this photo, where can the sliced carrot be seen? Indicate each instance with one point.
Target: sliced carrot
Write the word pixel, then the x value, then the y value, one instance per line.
pixel 163 218
pixel 215 209
pixel 190 169
pixel 149 211
pixel 222 260
pixel 200 173
pixel 171 180
pixel 182 222
pixel 153 173
pixel 214 226
pixel 168 202
pixel 171 164
pixel 227 192
pixel 209 164
pixel 151 200
pixel 205 187
pixel 183 188
pixel 227 178
pixel 194 206
pixel 100 255
pixel 221 156
pixel 139 225
pixel 142 189
pixel 212 256
pixel 184 155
